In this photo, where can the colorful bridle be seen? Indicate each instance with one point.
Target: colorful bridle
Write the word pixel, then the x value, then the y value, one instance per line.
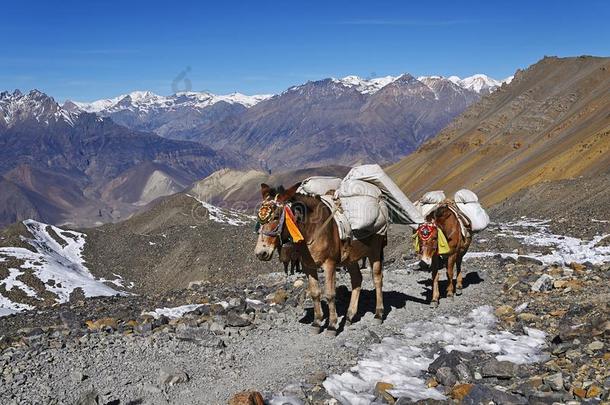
pixel 425 230
pixel 266 213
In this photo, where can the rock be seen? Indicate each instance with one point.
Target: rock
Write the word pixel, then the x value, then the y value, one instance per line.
pixel 431 383
pixel 580 392
pixel 247 398
pixel 381 388
pixel 544 283
pixel 481 394
pixel 298 283
pixel 446 377
pixel 560 284
pixel 527 317
pixel 595 345
pixel 594 391
pixel 88 398
pixel 279 297
pixel 504 311
pixel 577 267
pixel 451 360
pixel 555 381
pixel 459 391
pixel 172 377
pixel 527 260
pixel 102 324
pixel 463 373
pixel 499 369
pixel 233 319
pixel 151 389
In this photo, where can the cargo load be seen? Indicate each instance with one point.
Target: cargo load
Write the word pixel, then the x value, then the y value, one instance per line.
pixel 468 203
pixel 319 185
pixel 429 201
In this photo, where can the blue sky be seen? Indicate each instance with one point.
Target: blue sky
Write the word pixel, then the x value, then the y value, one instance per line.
pixel 87 50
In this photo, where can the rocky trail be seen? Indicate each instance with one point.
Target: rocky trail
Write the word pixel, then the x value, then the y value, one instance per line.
pixel 531 327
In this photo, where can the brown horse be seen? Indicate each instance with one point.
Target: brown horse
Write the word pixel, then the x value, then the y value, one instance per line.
pixel 289 255
pixel 445 218
pixel 321 247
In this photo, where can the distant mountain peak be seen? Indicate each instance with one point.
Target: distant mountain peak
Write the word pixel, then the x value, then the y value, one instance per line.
pixel 36 105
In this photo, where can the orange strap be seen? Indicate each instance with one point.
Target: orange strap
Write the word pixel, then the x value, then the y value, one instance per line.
pixel 291 224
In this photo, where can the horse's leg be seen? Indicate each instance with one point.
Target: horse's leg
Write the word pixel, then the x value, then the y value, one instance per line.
pixel 450 264
pixel 356 278
pixel 458 266
pixel 378 280
pixel 313 286
pixel 292 266
pixel 435 292
pixel 330 278
pixel 285 267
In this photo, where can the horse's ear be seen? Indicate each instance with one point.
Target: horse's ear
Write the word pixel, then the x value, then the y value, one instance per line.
pixel 288 194
pixel 265 190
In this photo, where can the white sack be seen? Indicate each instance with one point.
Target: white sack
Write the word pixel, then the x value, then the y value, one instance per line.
pixel 432 197
pixel 425 209
pixel 361 211
pixel 353 188
pixel 465 196
pixel 319 185
pixel 468 203
pixel 400 209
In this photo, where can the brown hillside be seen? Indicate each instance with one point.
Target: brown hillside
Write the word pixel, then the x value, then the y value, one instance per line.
pixel 551 122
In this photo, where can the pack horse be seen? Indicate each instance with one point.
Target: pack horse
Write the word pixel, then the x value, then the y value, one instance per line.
pixel 305 219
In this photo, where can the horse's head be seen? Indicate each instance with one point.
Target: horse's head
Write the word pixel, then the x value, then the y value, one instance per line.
pixel 427 234
pixel 271 217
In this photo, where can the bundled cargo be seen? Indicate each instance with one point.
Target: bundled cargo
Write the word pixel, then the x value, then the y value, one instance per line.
pixel 468 203
pixel 400 209
pixel 429 201
pixel 319 185
pixel 363 205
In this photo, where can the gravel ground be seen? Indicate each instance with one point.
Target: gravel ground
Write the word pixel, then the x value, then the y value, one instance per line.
pixel 207 356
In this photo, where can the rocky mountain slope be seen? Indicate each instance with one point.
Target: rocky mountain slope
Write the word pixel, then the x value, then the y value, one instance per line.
pixel 551 122
pixel 63 166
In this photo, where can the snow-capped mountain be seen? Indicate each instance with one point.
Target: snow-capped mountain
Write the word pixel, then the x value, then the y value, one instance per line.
pixel 17 107
pixel 146 101
pixel 478 83
pixel 169 116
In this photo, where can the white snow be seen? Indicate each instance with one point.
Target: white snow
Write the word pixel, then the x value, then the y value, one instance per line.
pixel 172 312
pixel 563 249
pixel 146 101
pixel 225 216
pixel 401 359
pixel 60 266
pixel 366 86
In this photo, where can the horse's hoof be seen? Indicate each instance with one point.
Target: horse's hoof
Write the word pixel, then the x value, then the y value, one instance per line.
pixel 332 332
pixel 450 296
pixel 433 304
pixel 348 321
pixel 378 320
pixel 458 291
pixel 315 330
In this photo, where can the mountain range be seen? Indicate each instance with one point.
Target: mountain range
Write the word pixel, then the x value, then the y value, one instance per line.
pixel 329 121
pixel 91 163
pixel 62 166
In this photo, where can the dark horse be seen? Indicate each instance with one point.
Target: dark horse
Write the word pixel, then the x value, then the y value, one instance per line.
pixel 321 247
pixel 445 217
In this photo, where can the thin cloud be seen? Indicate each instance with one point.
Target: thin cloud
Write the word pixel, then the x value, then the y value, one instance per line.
pixel 406 23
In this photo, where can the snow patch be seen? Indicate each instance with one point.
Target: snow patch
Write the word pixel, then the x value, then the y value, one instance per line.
pixel 57 263
pixel 401 360
pixel 172 312
pixel 564 249
pixel 225 216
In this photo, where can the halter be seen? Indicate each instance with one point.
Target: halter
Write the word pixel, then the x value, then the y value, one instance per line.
pixel 265 215
pixel 425 230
